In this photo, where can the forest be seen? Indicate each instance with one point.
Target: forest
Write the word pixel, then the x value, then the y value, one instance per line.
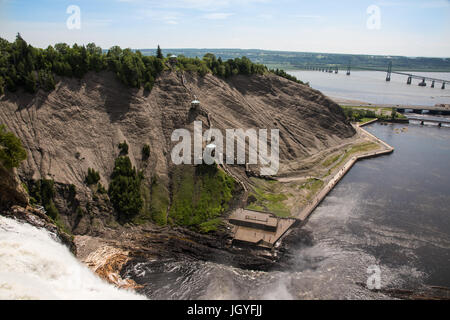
pixel 24 66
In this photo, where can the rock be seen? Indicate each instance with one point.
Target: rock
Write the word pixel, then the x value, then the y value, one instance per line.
pixel 105 260
pixel 80 124
pixel 38 219
pixel 11 189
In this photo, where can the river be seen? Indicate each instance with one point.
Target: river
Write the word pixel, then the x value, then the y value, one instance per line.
pixel 391 212
pixel 371 87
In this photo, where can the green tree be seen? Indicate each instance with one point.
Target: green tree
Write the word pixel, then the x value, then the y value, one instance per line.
pixel 123 147
pixel 393 113
pixel 159 53
pixel 12 152
pixel 30 82
pixel 124 189
pixel 2 84
pixel 92 177
pixel 145 152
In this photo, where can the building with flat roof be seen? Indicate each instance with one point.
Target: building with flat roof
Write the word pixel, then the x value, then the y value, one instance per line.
pixel 254 219
pixel 261 229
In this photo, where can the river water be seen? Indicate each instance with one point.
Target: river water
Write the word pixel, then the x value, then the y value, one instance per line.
pixel 370 86
pixel 392 212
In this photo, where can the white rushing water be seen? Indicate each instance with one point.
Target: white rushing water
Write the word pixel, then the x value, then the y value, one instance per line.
pixel 34 265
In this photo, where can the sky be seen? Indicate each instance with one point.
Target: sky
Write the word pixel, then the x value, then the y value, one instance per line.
pixel 387 27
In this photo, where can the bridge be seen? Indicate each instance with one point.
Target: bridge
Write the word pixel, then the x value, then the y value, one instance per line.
pixel 423 121
pixel 389 72
pixel 443 109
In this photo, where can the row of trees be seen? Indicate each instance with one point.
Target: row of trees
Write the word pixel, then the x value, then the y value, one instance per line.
pixel 224 69
pixel 284 74
pixel 356 115
pixel 22 65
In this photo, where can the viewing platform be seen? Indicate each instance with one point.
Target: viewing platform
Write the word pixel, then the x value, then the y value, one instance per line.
pixel 261 229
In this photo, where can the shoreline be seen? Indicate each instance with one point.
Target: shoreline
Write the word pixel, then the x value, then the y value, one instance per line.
pixel 364 104
pixel 306 212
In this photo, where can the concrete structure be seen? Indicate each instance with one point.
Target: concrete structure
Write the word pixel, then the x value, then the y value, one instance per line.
pixel 422 121
pixel 254 219
pixel 173 59
pixel 443 109
pixel 260 229
pixel 195 104
pixel 390 71
pixel 304 214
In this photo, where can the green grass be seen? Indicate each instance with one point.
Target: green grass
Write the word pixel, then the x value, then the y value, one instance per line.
pixel 330 160
pixel 155 203
pixel 211 225
pixel 313 186
pixel 367 107
pixel 159 202
pixel 200 194
pixel 363 147
pixel 365 120
pixel 383 114
pixel 269 198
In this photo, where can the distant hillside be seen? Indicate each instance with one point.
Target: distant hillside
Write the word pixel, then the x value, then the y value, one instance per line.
pixel 298 60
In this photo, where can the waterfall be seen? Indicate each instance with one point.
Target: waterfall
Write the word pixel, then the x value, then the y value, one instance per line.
pixel 35 265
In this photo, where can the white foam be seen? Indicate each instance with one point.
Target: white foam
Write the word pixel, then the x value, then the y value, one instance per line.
pixel 34 265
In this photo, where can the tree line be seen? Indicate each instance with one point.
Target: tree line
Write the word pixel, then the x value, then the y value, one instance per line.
pixel 23 66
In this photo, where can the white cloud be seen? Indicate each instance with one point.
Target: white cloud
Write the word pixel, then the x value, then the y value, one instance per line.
pixel 168 17
pixel 265 16
pixel 217 16
pixel 97 23
pixel 201 5
pixel 307 16
pixel 421 4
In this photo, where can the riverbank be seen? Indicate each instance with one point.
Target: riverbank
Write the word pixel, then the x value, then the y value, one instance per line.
pixel 298 194
pixel 334 180
pixel 363 104
pixel 308 183
pixel 347 237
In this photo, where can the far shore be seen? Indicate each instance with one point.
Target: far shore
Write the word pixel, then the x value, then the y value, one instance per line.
pixel 358 103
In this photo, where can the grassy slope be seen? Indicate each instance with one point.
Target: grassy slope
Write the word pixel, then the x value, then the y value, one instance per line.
pixel 200 196
pixel 268 197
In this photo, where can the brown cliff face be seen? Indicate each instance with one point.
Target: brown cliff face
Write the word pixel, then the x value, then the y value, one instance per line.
pixel 12 192
pixel 14 203
pixel 80 124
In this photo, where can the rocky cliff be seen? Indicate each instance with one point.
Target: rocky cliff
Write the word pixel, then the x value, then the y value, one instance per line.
pixel 14 203
pixel 80 124
pixel 12 191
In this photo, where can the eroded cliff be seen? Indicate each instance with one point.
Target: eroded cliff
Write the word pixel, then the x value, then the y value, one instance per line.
pixel 80 124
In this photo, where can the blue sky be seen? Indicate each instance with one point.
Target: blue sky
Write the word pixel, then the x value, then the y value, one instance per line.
pixel 407 27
